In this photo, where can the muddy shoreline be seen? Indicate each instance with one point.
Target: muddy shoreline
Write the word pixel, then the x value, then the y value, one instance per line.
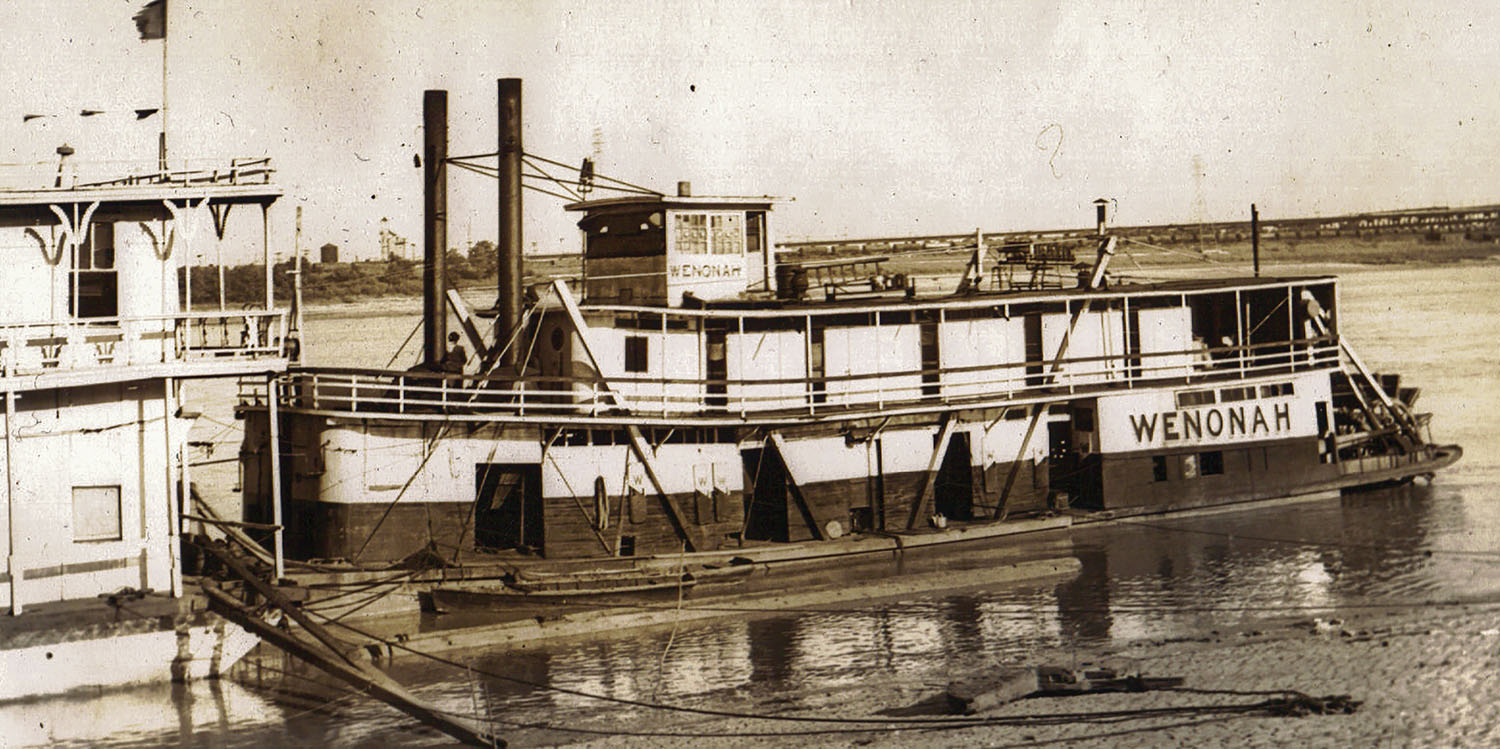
pixel 1413 669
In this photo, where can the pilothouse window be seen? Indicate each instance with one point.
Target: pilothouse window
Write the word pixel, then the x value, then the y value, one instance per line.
pixel 691 233
pixel 709 233
pixel 728 234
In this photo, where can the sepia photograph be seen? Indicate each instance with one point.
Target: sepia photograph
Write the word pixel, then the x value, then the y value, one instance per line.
pixel 683 373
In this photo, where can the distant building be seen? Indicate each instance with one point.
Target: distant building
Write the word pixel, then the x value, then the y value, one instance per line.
pixel 329 253
pixel 393 246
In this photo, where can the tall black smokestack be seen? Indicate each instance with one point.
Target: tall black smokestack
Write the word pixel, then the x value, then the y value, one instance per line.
pixel 434 227
pixel 508 303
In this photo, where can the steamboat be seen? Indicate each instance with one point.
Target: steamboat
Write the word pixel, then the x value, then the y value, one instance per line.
pixel 697 402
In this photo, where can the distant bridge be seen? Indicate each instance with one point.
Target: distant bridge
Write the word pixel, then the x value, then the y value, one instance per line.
pixel 1482 221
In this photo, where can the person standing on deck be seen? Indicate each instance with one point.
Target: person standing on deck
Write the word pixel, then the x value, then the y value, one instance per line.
pixel 457 356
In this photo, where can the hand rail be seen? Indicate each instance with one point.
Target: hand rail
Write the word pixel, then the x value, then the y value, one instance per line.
pixel 387 391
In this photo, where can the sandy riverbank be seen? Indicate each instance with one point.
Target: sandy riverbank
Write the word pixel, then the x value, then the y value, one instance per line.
pixel 1425 677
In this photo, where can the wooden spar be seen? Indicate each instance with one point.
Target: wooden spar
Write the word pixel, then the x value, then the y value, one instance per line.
pixel 362 679
pixel 637 440
pixel 643 451
pixel 466 321
pixel 809 512
pixel 275 598
pixel 933 464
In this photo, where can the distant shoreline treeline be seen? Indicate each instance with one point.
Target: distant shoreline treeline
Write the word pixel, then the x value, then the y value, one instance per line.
pixel 348 282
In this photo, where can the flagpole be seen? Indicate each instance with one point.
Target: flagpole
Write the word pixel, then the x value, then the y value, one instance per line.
pixel 161 144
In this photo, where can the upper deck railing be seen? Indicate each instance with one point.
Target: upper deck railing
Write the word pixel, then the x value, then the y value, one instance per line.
pixel 32 348
pixel 105 175
pixel 704 401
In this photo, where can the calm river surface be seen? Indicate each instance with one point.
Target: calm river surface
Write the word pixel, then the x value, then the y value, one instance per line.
pixel 1157 579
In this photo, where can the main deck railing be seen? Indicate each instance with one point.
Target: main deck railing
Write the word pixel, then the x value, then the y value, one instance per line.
pixel 43 347
pixel 379 392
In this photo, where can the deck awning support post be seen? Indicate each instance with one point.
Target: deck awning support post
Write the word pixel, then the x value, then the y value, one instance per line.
pixel 174 539
pixel 273 445
pixel 638 444
pixel 10 505
pixel 919 507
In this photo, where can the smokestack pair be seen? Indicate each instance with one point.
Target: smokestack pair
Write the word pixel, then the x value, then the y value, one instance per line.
pixel 435 220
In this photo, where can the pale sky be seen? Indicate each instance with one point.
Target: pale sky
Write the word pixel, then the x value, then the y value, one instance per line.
pixel 879 118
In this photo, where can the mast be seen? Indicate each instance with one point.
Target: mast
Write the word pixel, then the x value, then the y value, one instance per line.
pixel 434 227
pixel 509 247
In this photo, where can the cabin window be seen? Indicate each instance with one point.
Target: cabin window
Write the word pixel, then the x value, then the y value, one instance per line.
pixel 1211 463
pixel 1278 390
pixel 1195 398
pixel 1232 395
pixel 94 286
pixel 636 351
pixel 1158 468
pixel 690 232
pixel 96 513
pixel 728 233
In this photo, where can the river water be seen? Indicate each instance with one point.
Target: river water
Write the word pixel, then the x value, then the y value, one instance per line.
pixel 1419 546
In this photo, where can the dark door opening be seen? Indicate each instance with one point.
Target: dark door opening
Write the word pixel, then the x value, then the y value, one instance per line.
pixel 765 503
pixel 717 367
pixel 953 492
pixel 1062 462
pixel 508 506
pixel 1033 341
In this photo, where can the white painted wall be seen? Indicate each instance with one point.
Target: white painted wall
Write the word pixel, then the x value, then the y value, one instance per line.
pixel 991 342
pixel 767 355
pixel 1166 330
pixel 370 464
pixel 52 454
pixel 1098 333
pixel 570 471
pixel 872 350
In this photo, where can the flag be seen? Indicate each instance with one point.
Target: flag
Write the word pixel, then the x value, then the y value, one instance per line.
pixel 90 112
pixel 151 21
pixel 142 114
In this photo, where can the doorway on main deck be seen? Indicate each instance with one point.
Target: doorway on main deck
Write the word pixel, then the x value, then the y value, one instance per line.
pixel 508 505
pixel 766 503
